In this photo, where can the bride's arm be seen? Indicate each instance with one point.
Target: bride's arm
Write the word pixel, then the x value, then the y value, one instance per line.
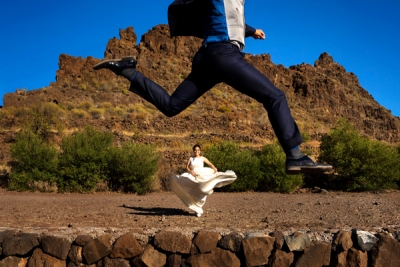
pixel 210 164
pixel 190 170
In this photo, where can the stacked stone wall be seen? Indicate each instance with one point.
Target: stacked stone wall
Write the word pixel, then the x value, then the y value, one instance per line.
pixel 203 248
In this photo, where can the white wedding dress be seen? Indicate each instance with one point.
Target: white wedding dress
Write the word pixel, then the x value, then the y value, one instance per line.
pixel 193 191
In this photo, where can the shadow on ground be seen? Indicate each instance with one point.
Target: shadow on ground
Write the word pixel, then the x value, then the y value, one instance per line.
pixel 156 211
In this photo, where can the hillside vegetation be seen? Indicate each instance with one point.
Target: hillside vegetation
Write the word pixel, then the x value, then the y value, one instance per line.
pixel 319 96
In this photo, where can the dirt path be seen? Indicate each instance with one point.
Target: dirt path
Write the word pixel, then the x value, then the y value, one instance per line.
pixel 233 211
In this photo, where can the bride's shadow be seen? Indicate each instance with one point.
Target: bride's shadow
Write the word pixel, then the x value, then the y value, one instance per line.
pixel 157 211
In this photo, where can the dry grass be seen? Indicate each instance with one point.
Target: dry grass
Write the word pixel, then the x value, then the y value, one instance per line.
pixel 69 105
pixel 43 186
pixel 79 114
pixel 141 111
pixel 21 112
pixel 118 112
pixel 223 109
pixel 105 105
pixel 4 170
pixel 97 113
pixel 102 186
pixel 164 174
pixel 86 105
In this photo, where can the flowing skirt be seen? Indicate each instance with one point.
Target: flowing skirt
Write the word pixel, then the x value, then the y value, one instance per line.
pixel 193 191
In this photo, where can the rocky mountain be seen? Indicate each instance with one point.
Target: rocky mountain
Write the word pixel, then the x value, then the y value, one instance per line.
pixel 318 95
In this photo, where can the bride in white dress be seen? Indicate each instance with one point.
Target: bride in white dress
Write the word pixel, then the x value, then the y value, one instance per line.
pixel 193 186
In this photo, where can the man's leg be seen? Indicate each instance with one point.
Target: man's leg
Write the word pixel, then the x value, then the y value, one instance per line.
pixel 186 93
pixel 238 73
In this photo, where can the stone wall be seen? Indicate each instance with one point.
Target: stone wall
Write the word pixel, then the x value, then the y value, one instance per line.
pixel 201 248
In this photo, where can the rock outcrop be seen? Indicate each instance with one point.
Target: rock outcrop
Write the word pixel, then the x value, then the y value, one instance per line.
pixel 318 95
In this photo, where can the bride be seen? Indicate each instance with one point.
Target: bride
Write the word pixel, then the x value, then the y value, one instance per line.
pixel 193 186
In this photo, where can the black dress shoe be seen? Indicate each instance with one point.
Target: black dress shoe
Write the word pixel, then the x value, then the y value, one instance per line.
pixel 305 165
pixel 117 65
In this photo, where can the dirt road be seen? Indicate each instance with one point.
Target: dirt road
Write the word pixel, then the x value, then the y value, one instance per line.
pixel 231 211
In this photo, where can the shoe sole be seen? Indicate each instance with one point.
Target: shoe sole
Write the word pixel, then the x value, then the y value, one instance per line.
pixel 308 170
pixel 97 66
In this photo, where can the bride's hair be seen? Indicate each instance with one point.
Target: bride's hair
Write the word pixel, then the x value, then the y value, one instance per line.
pixel 196 145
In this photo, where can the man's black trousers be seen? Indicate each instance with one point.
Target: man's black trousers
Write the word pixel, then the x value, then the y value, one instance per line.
pixel 223 62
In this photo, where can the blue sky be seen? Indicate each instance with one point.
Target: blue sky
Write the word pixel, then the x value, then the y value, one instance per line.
pixel 362 36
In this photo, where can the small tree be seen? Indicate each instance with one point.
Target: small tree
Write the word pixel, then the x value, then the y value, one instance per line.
pixel 272 165
pixel 34 161
pixel 44 118
pixel 359 163
pixel 132 167
pixel 228 156
pixel 83 160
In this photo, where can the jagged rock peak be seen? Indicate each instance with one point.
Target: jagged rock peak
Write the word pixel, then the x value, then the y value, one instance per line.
pixel 128 34
pixel 323 61
pixel 125 46
pixel 326 64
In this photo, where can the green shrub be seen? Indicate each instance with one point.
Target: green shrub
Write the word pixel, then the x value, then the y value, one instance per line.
pixel 223 109
pixel 79 114
pixel 132 167
pixel 34 160
pixel 228 156
pixel 97 113
pixel 360 164
pixel 272 165
pixel 118 112
pixel 21 112
pixel 83 160
pixel 68 105
pixel 306 136
pixel 106 105
pixel 44 118
pixel 86 105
